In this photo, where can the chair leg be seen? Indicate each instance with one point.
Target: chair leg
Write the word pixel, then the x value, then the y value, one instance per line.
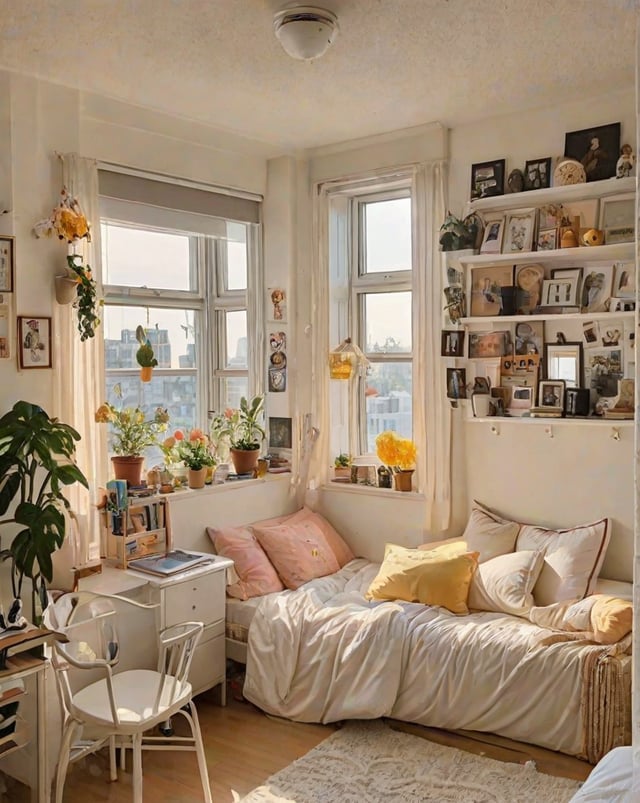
pixel 202 760
pixel 113 770
pixel 137 767
pixel 70 727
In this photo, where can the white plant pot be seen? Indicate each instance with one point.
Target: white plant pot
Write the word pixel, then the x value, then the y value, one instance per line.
pixel 66 290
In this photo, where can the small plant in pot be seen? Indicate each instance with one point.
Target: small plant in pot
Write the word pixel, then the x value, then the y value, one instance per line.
pixel 342 466
pixel 195 452
pixel 36 465
pixel 144 355
pixel 460 235
pixel 244 431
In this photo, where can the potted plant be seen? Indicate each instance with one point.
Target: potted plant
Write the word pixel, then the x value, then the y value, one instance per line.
pixel 195 452
pixel 460 235
pixel 342 466
pixel 144 355
pixel 36 464
pixel 132 433
pixel 399 455
pixel 243 429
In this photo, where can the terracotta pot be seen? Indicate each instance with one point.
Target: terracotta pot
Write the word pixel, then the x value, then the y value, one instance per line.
pixel 146 372
pixel 402 479
pixel 342 472
pixel 128 467
pixel 245 460
pixel 197 476
pixel 66 289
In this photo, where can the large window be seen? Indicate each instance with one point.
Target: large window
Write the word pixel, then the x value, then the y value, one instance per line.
pixel 189 290
pixel 372 262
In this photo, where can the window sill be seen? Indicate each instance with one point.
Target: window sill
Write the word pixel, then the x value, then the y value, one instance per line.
pixel 371 490
pixel 229 485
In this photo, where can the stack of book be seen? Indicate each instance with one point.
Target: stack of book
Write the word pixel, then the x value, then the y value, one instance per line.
pixel 545 412
pixel 31 640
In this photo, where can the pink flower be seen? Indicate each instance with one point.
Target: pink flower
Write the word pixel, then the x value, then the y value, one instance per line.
pixel 197 435
pixel 178 435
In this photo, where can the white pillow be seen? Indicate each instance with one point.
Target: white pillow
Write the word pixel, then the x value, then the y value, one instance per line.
pixel 488 535
pixel 505 584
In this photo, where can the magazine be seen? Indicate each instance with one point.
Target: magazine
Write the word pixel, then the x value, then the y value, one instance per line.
pixel 168 562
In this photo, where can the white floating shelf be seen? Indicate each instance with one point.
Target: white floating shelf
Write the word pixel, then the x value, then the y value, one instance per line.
pixel 599 253
pixel 555 422
pixel 505 319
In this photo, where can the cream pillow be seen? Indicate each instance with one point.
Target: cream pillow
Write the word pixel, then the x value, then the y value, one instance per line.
pixel 488 535
pixel 432 577
pixel 505 584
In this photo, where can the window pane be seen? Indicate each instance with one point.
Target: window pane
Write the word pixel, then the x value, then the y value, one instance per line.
pixel 387 322
pixel 236 256
pixel 233 389
pixel 388 400
pixel 236 336
pixel 387 235
pixel 143 258
pixel 171 332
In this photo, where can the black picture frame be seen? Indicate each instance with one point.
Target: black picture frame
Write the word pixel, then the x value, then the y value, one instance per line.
pixel 452 343
pixel 487 179
pixel 456 383
pixel 537 174
pixel 597 149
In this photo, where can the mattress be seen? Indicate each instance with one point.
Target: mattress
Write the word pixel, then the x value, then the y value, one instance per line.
pixel 239 614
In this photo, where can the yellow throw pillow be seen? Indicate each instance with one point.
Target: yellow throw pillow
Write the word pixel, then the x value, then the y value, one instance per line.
pixel 432 577
pixel 611 619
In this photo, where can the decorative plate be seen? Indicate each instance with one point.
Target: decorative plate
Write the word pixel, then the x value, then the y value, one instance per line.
pixel 569 171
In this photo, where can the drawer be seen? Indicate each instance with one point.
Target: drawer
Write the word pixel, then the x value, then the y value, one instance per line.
pixel 197 600
pixel 208 663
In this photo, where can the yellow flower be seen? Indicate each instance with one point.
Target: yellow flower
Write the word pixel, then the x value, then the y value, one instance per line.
pixel 399 453
pixel 103 414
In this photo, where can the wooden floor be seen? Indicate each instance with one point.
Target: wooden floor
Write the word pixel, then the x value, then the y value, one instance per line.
pixel 244 747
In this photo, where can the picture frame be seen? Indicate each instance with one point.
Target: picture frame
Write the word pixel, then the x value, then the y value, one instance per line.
pixel 34 342
pixel 456 383
pixel 7 263
pixel 493 234
pixel 570 273
pixel 624 285
pixel 487 179
pixel 617 304
pixel 547 240
pixel 486 286
pixel 537 173
pixel 455 303
pixel 528 279
pixel 484 345
pixel 597 149
pixel 564 361
pixel 617 218
pixel 528 337
pixel 452 343
pixel 280 433
pixel 596 288
pixel 519 231
pixel 560 292
pixel 551 394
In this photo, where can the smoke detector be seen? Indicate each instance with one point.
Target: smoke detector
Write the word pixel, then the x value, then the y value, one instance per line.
pixel 305 32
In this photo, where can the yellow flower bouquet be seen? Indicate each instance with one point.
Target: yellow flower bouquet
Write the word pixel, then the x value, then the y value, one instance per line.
pixel 399 454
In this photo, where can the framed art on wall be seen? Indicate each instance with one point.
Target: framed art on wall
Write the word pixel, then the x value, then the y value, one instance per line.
pixel 519 231
pixel 617 218
pixel 7 263
pixel 596 288
pixel 34 342
pixel 486 288
pixel 487 179
pixel 280 433
pixel 551 394
pixel 493 232
pixel 597 149
pixel 537 174
pixel 452 344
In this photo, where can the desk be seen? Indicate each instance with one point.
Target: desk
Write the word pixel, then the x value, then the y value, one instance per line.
pixel 26 760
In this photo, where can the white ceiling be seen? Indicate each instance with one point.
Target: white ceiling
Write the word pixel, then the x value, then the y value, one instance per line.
pixel 395 63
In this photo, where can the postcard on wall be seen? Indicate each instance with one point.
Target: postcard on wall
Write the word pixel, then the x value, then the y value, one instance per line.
pixel 277 367
pixel 596 288
pixel 277 304
pixel 34 342
pixel 603 370
pixel 6 328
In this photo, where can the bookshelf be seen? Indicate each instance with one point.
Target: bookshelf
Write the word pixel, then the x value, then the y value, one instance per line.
pixel 139 527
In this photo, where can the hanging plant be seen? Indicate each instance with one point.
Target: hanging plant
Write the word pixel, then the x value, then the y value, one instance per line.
pixel 145 356
pixel 86 297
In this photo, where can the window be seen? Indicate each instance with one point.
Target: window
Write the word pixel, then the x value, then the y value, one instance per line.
pixel 187 285
pixel 372 263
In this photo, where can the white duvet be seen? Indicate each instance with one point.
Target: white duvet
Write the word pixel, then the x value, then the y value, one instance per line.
pixel 323 653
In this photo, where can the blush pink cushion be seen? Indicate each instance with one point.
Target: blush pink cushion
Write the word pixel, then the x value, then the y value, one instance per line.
pixel 298 551
pixel 339 548
pixel 257 575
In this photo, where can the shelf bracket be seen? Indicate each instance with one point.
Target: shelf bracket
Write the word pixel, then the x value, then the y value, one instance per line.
pixel 615 433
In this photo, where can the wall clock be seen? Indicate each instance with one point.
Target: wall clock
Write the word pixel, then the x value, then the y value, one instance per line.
pixel 568 171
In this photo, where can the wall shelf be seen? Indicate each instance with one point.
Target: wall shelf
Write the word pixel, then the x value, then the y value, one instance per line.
pixel 567 316
pixel 600 253
pixel 590 421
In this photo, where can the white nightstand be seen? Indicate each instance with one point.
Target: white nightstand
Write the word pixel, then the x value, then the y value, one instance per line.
pixel 197 594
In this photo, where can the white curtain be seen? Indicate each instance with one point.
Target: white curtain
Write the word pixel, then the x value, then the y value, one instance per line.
pixel 431 409
pixel 79 366
pixel 256 301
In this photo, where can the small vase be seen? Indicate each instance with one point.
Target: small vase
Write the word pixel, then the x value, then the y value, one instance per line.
pixel 128 467
pixel 245 460
pixel 197 477
pixel 402 479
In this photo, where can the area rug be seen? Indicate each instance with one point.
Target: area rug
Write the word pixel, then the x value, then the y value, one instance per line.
pixel 368 762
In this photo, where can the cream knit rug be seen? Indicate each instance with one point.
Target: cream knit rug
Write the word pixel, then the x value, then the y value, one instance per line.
pixel 368 762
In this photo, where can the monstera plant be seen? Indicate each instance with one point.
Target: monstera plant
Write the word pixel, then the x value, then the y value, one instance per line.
pixel 36 464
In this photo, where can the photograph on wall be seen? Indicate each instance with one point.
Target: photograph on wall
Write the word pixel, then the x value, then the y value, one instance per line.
pixel 537 174
pixel 489 344
pixel 277 304
pixel 611 333
pixel 7 263
pixel 456 383
pixel 528 280
pixel 280 433
pixel 486 288
pixel 603 370
pixel 596 288
pixel 492 238
pixel 625 280
pixel 34 342
pixel 452 343
pixel 487 179
pixel 597 149
pixel 519 231
pixel 529 337
pixel 277 368
pixel 591 334
pixel 455 302
pixel 547 240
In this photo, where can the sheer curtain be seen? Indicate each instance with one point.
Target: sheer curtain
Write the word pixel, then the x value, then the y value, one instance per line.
pixel 78 387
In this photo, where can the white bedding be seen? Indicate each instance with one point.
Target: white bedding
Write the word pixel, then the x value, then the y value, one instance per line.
pixel 323 653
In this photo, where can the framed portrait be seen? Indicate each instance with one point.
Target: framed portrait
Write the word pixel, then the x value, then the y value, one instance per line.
pixel 624 285
pixel 560 292
pixel 492 238
pixel 617 218
pixel 547 240
pixel 456 383
pixel 596 288
pixel 489 344
pixel 597 149
pixel 7 263
pixel 487 179
pixel 551 394
pixel 34 342
pixel 486 288
pixel 280 433
pixel 570 273
pixel 452 344
pixel 528 279
pixel 537 173
pixel 519 231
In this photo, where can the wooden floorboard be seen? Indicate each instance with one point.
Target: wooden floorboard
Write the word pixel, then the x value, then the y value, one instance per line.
pixel 244 747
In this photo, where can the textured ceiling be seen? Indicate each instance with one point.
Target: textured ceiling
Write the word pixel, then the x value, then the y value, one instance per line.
pixel 395 63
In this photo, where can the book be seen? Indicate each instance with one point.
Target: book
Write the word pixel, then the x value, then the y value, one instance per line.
pixel 29 639
pixel 618 414
pixel 167 563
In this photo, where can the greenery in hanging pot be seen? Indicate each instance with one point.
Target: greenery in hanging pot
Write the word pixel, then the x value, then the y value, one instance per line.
pixel 86 301
pixel 144 355
pixel 36 464
pixel 457 235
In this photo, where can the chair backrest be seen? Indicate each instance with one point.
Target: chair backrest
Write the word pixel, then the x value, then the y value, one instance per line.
pixel 177 645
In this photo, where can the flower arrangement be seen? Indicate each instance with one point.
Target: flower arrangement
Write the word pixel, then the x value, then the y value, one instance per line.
pixel 194 450
pixel 240 427
pixel 133 432
pixel 399 454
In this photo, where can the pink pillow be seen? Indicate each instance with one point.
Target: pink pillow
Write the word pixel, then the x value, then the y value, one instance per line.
pixel 339 548
pixel 257 575
pixel 298 551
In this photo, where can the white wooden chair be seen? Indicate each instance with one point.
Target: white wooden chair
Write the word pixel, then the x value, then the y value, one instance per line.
pixel 119 707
